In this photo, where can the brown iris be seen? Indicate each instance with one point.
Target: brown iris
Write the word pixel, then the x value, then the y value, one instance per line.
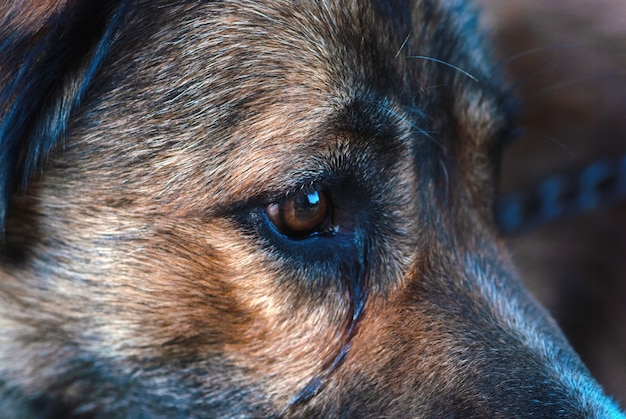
pixel 301 215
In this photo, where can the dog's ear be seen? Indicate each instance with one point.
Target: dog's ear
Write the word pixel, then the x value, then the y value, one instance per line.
pixel 51 50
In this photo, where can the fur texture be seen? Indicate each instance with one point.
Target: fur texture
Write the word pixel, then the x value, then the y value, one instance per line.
pixel 141 145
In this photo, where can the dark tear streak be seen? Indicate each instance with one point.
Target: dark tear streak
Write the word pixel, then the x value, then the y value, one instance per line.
pixel 357 285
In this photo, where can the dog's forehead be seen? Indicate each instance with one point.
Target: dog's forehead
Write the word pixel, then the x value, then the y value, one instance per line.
pixel 230 91
pixel 238 54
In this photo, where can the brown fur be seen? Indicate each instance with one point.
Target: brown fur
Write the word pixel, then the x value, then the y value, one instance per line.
pixel 139 277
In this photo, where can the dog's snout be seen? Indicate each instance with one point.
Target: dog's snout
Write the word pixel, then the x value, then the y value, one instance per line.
pixel 522 383
pixel 468 342
pixel 501 354
pixel 541 399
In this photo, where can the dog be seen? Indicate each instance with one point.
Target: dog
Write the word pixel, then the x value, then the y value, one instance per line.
pixel 263 209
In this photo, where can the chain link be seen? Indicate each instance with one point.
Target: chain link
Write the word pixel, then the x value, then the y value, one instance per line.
pixel 562 195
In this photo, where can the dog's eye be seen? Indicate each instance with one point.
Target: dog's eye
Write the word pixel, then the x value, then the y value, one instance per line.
pixel 302 215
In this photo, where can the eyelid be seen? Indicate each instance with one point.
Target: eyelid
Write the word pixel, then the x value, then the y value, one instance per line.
pixel 319 183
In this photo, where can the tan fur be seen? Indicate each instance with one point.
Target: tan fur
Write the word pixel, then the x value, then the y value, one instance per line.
pixel 139 279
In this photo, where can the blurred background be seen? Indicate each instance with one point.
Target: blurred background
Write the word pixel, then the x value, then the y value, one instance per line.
pixel 566 62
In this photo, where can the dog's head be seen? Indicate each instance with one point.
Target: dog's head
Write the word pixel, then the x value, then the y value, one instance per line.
pixel 262 208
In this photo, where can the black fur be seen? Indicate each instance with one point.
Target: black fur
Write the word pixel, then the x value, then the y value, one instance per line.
pixel 49 73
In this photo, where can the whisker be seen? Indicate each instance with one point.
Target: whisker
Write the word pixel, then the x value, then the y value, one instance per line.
pixel 557 142
pixel 406 120
pixel 542 68
pixel 403 45
pixel 447 64
pixel 447 179
pixel 572 82
pixel 435 86
pixel 385 108
pixel 531 51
